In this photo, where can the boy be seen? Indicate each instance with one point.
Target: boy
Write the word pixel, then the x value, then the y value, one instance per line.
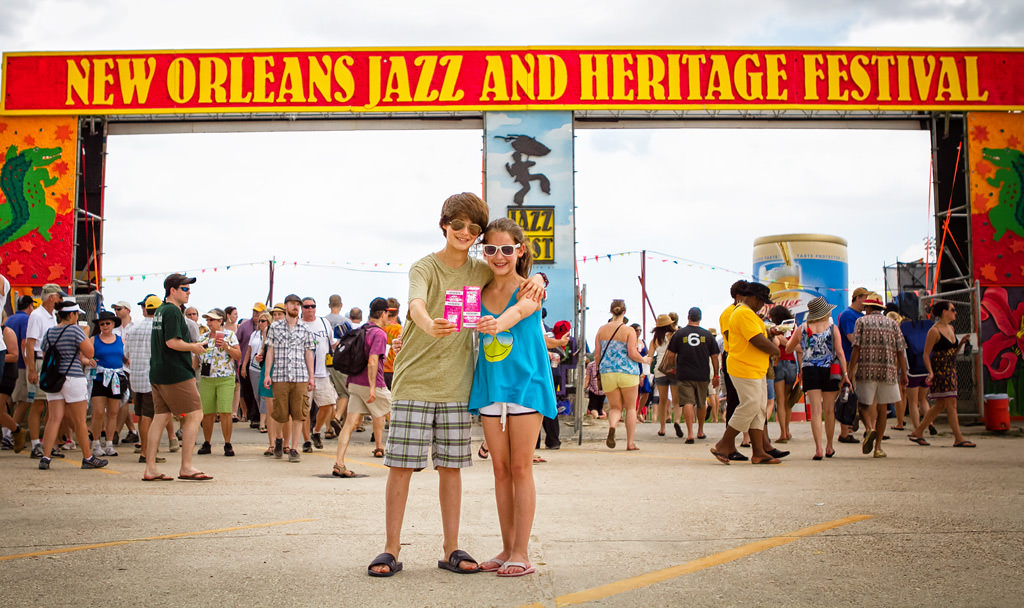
pixel 432 382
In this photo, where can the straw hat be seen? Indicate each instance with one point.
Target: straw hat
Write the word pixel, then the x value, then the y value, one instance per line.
pixel 819 308
pixel 663 321
pixel 873 299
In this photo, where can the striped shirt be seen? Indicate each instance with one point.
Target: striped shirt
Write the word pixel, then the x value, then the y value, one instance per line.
pixel 138 345
pixel 290 345
pixel 67 346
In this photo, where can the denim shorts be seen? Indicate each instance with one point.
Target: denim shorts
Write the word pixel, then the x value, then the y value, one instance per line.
pixel 785 371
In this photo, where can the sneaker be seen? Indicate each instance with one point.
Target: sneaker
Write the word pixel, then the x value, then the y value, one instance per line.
pixel 110 451
pixel 93 463
pixel 228 450
pixel 293 456
pixel 307 447
pixel 159 459
pixel 316 441
pixel 44 464
pixel 205 449
pixel 6 443
pixel 97 449
pixel 68 445
pixel 131 437
pixel 177 434
pixel 174 445
pixel 56 453
pixel 18 440
pixel 37 451
pixel 278 448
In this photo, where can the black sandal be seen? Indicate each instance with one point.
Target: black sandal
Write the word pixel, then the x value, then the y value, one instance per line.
pixel 384 559
pixel 483 452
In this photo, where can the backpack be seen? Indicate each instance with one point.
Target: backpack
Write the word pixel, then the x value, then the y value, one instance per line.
pixel 51 379
pixel 350 355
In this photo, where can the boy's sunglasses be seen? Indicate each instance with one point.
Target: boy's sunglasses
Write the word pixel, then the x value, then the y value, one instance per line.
pixel 506 250
pixel 457 225
pixel 184 288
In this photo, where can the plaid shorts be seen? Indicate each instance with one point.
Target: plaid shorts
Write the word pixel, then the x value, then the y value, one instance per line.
pixel 416 426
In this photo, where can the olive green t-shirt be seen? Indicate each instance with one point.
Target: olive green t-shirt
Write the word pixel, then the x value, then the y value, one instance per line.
pixel 437 369
pixel 166 365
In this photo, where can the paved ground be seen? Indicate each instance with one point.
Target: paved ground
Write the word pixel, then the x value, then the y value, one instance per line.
pixel 665 526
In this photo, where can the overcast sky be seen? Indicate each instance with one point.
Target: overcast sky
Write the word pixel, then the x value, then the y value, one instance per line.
pixel 193 201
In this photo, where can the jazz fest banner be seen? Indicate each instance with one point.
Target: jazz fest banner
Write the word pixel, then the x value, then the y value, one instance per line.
pixel 996 179
pixel 528 161
pixel 37 199
pixel 510 78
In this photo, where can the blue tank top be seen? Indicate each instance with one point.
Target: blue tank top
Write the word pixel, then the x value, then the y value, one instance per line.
pixel 615 356
pixel 513 367
pixel 819 350
pixel 109 356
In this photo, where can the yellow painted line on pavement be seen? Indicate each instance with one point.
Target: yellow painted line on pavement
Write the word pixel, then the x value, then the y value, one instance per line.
pixel 129 541
pixel 658 576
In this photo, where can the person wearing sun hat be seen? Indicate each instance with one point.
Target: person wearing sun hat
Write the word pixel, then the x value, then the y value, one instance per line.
pixel 244 332
pixel 659 342
pixel 878 365
pixel 818 348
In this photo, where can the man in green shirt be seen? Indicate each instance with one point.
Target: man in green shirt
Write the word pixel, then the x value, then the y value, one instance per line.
pixel 173 379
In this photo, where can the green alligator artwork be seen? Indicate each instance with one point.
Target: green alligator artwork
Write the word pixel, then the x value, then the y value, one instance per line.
pixel 1008 214
pixel 23 180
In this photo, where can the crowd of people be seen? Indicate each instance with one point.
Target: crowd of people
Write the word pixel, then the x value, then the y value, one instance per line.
pixel 285 370
pixel 889 364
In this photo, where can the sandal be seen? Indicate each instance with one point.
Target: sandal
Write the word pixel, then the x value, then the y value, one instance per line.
pixel 483 452
pixel 964 444
pixel 263 429
pixel 330 434
pixel 918 440
pixel 378 453
pixel 342 471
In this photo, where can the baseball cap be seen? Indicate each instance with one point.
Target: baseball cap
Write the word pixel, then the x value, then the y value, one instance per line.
pixel 25 301
pixel 860 291
pixel 152 302
pixel 378 305
pixel 51 288
pixel 123 304
pixel 292 298
pixel 259 307
pixel 177 280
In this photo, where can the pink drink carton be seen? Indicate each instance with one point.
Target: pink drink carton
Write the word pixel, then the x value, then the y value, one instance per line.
pixel 453 307
pixel 470 305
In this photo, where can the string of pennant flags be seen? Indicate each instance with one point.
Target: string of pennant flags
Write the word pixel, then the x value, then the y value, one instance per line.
pixel 402 267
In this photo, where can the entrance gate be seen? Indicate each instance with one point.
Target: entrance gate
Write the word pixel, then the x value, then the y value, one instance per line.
pixel 528 101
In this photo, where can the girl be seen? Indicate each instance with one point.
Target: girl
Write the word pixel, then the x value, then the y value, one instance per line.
pixel 512 390
pixel 110 383
pixel 940 349
pixel 618 361
pixel 817 345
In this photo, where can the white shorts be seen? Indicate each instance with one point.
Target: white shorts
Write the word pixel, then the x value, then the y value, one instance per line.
pixel 74 390
pixel 323 394
pixel 868 391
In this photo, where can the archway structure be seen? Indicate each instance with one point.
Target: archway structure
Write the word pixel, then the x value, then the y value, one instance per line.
pixel 528 101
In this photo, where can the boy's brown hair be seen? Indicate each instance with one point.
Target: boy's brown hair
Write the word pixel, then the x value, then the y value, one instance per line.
pixel 465 204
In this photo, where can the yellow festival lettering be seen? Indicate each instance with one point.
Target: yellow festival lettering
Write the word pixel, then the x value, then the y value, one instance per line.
pixel 365 80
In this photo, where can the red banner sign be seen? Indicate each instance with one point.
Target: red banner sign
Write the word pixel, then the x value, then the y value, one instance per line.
pixel 451 79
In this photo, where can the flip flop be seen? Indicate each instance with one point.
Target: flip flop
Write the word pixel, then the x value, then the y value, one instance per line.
pixel 378 453
pixel 483 452
pixel 526 569
pixel 494 560
pixel 918 440
pixel 384 559
pixel 964 444
pixel 701 436
pixel 766 461
pixel 538 459
pixel 160 477
pixel 452 563
pixel 720 457
pixel 632 449
pixel 200 476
